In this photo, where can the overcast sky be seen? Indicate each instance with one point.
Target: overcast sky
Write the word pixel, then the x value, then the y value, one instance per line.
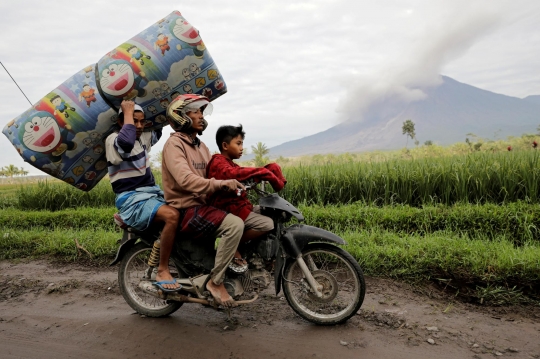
pixel 292 68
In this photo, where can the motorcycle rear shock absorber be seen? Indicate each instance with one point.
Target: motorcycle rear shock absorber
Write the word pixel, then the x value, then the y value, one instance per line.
pixel 153 260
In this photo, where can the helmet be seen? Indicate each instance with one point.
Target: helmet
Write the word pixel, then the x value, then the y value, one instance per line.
pixel 181 105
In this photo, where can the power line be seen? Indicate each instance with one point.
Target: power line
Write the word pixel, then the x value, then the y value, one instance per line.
pixel 15 82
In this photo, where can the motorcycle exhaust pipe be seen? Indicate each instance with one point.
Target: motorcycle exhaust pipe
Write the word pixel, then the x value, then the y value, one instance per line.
pixel 149 288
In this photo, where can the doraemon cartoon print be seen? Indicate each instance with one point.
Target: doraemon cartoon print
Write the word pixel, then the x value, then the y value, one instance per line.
pixel 119 80
pixel 42 135
pixel 184 31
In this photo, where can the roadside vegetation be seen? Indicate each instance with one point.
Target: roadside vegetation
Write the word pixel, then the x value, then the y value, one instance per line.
pixel 467 220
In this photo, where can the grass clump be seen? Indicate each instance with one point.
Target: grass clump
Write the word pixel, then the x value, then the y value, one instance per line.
pixel 76 219
pixel 474 267
pixel 35 243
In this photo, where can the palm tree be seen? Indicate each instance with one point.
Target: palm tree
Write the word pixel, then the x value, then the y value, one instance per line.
pixel 11 170
pixel 260 151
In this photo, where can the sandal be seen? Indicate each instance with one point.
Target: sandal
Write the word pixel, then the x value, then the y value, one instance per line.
pixel 238 265
pixel 168 290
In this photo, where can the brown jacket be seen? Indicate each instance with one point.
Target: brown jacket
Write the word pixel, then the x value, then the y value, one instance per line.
pixel 184 172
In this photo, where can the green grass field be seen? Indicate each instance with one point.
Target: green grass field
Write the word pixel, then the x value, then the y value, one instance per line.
pixel 486 265
pixel 467 220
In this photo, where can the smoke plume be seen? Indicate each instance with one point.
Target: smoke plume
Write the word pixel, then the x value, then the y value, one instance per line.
pixel 453 31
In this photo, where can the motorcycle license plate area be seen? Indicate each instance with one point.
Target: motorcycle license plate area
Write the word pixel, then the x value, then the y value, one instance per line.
pixel 63 134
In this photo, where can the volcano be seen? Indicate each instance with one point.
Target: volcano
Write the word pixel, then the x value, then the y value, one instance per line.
pixel 447 114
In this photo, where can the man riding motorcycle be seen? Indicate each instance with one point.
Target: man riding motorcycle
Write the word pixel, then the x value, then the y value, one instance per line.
pixel 185 185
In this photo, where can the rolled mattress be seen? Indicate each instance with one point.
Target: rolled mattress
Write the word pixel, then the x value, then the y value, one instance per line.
pixel 63 134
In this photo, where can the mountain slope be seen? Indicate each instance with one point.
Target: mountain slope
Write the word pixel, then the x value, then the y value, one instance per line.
pixel 448 113
pixel 533 98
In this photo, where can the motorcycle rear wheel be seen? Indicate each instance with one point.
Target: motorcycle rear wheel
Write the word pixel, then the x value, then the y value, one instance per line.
pixel 340 275
pixel 131 272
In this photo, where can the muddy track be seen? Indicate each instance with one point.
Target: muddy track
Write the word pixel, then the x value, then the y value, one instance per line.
pixel 47 311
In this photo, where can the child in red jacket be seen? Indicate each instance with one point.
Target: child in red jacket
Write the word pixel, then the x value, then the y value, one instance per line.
pixel 230 141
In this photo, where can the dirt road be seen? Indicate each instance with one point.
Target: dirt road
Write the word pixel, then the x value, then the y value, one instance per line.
pixel 78 312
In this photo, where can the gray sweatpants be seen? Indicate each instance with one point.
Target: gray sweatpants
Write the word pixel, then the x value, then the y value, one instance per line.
pixel 230 231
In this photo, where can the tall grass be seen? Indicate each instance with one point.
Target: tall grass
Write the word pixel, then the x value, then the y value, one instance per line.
pixel 481 177
pixel 53 196
pixel 60 243
pixel 518 221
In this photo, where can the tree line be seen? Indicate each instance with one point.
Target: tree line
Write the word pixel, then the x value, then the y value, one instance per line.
pixel 12 170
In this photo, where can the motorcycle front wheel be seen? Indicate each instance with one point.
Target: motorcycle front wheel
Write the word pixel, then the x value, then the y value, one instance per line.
pixel 133 268
pixel 342 280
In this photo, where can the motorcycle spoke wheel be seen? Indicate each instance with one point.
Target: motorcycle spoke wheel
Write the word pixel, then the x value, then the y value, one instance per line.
pixel 342 281
pixel 133 269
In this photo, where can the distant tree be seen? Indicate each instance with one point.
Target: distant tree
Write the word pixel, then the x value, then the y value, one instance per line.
pixel 282 160
pixel 11 170
pixel 428 143
pixel 473 146
pixel 408 130
pixel 260 151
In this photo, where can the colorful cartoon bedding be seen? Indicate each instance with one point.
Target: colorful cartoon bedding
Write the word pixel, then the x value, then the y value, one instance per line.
pixel 63 134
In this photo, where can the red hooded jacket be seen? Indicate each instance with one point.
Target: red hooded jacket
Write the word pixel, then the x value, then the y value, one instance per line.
pixel 221 168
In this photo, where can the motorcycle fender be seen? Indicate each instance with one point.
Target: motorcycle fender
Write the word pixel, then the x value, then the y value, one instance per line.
pixel 297 236
pixel 127 241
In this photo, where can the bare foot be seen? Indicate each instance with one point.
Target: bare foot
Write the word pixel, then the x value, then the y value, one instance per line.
pixel 164 274
pixel 220 294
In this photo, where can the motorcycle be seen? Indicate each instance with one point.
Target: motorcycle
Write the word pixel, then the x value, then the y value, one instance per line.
pixel 322 282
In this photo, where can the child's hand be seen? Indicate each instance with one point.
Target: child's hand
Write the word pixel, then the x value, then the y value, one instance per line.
pixel 231 185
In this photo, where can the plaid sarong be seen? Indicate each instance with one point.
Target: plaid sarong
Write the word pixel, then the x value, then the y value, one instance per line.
pixel 200 221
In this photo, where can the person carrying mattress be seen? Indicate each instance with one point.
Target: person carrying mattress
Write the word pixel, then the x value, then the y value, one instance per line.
pixel 139 200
